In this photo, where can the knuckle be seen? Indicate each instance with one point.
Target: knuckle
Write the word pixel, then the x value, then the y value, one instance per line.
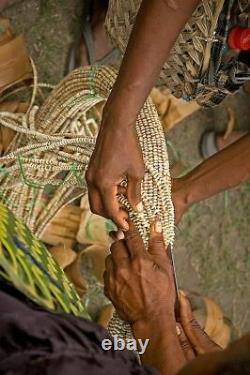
pixel 97 179
pixel 89 176
pixel 158 243
pixel 138 261
pixel 194 323
pixel 114 246
pixel 103 182
pixel 159 250
pixel 121 272
pixel 133 236
pixel 108 261
pixel 94 209
pixel 138 176
pixel 185 345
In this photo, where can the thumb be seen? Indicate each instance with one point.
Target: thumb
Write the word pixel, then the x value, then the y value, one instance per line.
pixel 134 193
pixel 156 245
pixel 184 342
pixel 200 341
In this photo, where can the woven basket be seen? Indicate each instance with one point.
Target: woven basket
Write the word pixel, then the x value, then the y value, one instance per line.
pixel 58 135
pixel 193 69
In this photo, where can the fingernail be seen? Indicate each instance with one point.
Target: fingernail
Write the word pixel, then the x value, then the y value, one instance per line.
pixel 125 226
pixel 182 293
pixel 158 227
pixel 139 207
pixel 120 235
pixel 178 331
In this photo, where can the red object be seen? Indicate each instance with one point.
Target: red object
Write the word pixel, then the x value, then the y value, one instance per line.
pixel 239 38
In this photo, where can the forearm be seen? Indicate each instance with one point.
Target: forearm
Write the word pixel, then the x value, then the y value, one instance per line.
pixel 163 351
pixel 157 26
pixel 226 169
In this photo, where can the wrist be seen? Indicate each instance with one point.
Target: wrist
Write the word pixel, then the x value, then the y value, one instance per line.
pixel 182 191
pixel 149 328
pixel 163 351
pixel 115 116
pixel 123 106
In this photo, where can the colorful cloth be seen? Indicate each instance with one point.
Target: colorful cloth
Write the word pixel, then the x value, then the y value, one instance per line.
pixel 26 264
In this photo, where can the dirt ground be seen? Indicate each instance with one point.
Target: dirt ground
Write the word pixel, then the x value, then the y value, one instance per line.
pixel 213 239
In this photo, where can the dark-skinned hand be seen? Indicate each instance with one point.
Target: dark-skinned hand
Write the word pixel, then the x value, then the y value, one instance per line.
pixel 117 156
pixel 137 281
pixel 193 339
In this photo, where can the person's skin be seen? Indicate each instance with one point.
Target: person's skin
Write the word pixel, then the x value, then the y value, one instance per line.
pixel 140 284
pixel 224 170
pixel 237 354
pixel 117 155
pixel 193 339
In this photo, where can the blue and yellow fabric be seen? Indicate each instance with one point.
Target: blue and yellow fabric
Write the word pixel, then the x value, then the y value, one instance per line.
pixel 26 264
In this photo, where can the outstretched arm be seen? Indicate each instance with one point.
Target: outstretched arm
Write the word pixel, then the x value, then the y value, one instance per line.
pixel 117 154
pixel 157 27
pixel 222 171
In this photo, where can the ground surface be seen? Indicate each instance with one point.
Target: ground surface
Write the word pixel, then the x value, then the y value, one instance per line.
pixel 213 239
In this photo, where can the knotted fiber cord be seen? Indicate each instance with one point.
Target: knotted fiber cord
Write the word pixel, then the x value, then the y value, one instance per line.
pixel 51 152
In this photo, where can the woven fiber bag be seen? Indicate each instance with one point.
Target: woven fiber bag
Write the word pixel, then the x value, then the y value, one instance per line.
pixel 196 68
pixel 44 167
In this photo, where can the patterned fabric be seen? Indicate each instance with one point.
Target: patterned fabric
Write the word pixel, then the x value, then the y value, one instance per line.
pixel 26 264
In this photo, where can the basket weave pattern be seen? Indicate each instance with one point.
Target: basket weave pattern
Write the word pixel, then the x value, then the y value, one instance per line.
pixel 182 70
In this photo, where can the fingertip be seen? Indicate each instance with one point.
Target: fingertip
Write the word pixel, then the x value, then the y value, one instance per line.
pixel 155 228
pixel 185 307
pixel 182 295
pixel 178 330
pixel 131 228
pixel 124 226
pixel 120 235
pixel 134 195
pixel 182 298
pixel 117 235
pixel 120 220
pixel 139 207
pixel 158 227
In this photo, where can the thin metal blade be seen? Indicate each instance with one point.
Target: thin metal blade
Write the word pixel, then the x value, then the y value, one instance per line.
pixel 171 257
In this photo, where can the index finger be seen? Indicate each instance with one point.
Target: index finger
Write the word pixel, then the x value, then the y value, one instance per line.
pixel 112 208
pixel 134 241
pixel 119 252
